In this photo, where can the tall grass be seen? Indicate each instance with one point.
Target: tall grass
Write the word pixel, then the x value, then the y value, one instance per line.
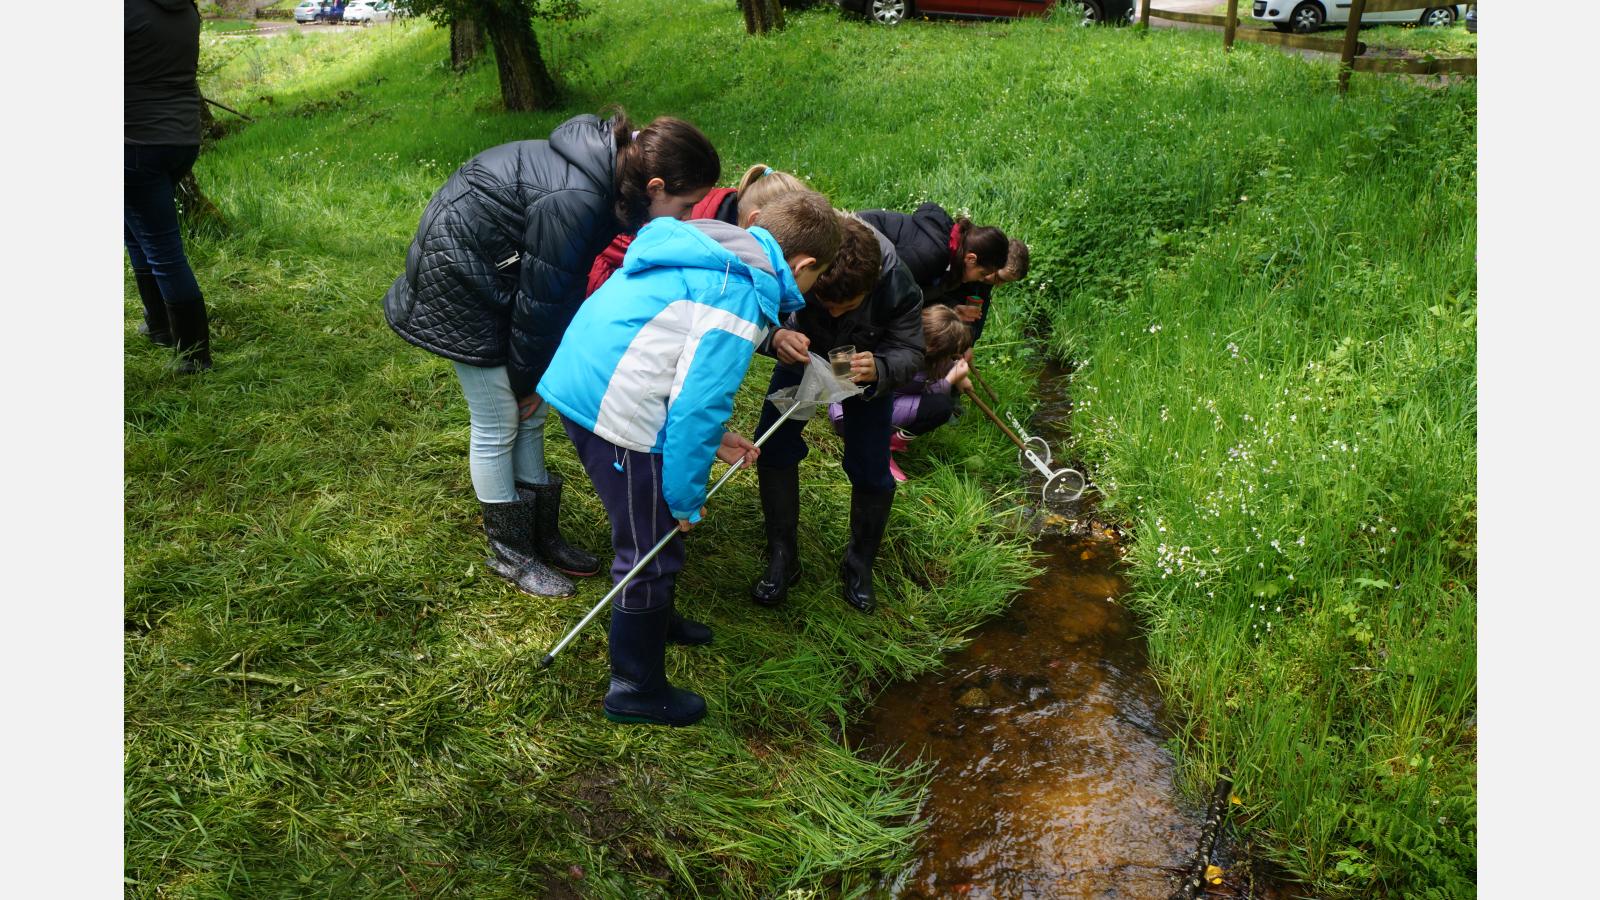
pixel 327 694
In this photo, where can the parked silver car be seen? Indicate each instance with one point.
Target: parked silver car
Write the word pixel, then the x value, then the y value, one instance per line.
pixel 1306 16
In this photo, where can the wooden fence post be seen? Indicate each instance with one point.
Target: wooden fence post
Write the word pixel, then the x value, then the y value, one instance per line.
pixel 1144 13
pixel 1348 56
pixel 1233 21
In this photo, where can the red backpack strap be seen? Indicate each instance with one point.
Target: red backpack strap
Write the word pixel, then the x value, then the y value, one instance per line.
pixel 609 260
pixel 707 208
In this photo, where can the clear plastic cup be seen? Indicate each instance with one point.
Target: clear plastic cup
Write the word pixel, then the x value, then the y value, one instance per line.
pixel 840 358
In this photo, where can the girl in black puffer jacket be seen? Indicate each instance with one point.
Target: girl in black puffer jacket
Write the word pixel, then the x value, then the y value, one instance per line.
pixel 954 261
pixel 495 274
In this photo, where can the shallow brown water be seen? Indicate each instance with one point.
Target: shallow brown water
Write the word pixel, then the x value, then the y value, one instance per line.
pixel 1051 776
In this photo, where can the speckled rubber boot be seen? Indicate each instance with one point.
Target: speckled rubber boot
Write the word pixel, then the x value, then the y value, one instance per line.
pixel 509 527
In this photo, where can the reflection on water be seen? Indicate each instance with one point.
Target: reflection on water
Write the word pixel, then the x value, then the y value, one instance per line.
pixel 1051 776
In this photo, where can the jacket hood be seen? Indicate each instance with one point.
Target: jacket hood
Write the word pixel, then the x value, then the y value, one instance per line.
pixel 586 142
pixel 730 251
pixel 934 223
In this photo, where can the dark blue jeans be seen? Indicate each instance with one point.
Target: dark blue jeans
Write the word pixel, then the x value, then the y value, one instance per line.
pixel 150 176
pixel 865 427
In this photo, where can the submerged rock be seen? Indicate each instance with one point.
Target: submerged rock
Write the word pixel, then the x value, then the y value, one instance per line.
pixel 972 698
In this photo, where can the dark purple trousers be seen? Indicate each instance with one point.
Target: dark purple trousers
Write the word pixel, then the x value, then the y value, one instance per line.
pixel 629 485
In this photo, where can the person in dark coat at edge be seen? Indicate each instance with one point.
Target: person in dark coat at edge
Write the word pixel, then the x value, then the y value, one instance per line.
pixel 495 275
pixel 955 262
pixel 160 141
pixel 740 206
pixel 867 299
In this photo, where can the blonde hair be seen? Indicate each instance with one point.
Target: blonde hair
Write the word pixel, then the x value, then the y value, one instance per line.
pixel 761 185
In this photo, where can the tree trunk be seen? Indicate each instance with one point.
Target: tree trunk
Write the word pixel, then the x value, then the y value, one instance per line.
pixel 762 16
pixel 466 42
pixel 525 83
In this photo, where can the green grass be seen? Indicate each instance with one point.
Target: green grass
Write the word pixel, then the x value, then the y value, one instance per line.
pixel 327 695
pixel 224 26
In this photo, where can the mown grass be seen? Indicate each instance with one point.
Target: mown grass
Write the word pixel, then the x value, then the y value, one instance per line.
pixel 326 694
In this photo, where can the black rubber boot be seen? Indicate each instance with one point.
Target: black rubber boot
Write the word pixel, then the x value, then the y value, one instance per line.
pixel 869 515
pixel 510 532
pixel 688 632
pixel 155 325
pixel 780 507
pixel 545 501
pixel 640 693
pixel 191 335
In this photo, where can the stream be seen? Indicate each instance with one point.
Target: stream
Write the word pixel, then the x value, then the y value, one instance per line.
pixel 1047 735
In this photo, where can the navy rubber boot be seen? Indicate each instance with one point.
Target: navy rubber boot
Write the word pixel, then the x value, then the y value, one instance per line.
pixel 780 507
pixel 640 693
pixel 869 516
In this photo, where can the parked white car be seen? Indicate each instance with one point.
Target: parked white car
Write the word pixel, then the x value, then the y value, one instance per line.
pixel 306 11
pixel 365 12
pixel 1306 16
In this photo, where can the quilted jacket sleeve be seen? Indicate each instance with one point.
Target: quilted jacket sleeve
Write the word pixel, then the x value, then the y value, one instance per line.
pixel 555 265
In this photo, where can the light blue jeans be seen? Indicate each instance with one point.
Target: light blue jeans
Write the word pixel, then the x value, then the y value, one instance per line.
pixel 504 450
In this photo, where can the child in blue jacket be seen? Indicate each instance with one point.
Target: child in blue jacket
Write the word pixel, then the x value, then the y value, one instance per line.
pixel 644 380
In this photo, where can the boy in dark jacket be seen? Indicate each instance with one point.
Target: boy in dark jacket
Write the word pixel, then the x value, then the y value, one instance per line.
pixel 867 299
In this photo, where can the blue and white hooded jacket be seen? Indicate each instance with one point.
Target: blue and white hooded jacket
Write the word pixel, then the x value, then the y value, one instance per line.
pixel 652 360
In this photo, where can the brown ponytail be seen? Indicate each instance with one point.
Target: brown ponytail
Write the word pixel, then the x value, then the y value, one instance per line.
pixel 990 244
pixel 669 149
